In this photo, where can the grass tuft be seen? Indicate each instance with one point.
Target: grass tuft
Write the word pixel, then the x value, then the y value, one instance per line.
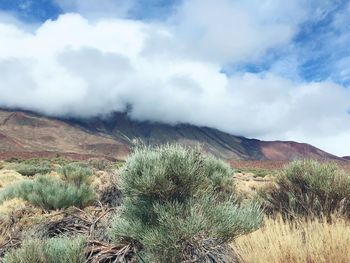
pixel 301 241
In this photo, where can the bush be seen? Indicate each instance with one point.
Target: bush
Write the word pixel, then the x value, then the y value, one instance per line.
pixel 56 250
pixel 49 193
pixel 100 164
pixel 172 201
pixel 309 188
pixel 64 249
pixel 13 160
pixel 76 173
pixel 220 176
pixel 30 252
pixel 33 169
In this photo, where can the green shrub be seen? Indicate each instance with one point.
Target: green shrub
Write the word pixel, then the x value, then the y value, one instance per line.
pixel 13 160
pixel 64 249
pixel 60 160
pixel 31 251
pixel 56 250
pixel 310 188
pixel 220 176
pixel 76 173
pixel 50 193
pixel 172 199
pixel 28 169
pixel 99 164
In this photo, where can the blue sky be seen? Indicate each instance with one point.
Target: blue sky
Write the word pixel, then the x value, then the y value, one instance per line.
pixel 316 47
pixel 32 11
pixel 41 10
pixel 269 69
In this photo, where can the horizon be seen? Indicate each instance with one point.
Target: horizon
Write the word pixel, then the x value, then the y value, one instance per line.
pixel 260 69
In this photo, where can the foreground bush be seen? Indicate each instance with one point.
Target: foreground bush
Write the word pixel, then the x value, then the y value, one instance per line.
pixel 309 188
pixel 172 205
pixel 55 250
pixel 301 241
pixel 49 193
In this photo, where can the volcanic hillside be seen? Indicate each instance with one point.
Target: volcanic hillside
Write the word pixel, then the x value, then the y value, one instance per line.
pixel 24 134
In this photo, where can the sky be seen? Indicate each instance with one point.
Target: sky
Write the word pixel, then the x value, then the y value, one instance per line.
pixel 267 69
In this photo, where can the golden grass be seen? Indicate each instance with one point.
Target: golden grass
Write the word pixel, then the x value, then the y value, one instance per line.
pixel 101 180
pixel 247 185
pixel 9 176
pixel 55 175
pixel 304 242
pixel 9 206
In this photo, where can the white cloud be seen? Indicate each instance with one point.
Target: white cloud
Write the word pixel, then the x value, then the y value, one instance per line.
pixel 228 31
pixel 81 67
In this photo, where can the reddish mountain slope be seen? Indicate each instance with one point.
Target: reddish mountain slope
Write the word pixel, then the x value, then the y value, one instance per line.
pixel 279 150
pixel 26 134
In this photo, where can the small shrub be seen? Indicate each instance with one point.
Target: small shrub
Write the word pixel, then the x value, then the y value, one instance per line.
pixel 49 193
pixel 64 249
pixel 33 169
pixel 99 164
pixel 171 200
pixel 30 252
pixel 60 160
pixel 309 188
pixel 55 250
pixel 76 173
pixel 13 160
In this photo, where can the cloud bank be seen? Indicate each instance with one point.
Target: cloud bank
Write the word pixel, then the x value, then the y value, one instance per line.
pixel 87 64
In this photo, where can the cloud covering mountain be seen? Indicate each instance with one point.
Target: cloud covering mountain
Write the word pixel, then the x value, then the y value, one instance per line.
pixel 238 66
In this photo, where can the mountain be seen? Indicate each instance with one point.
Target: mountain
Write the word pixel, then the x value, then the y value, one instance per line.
pixel 26 134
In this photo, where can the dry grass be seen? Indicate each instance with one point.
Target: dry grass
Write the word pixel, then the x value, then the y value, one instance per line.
pixel 273 166
pixel 9 176
pixel 10 206
pixel 302 242
pixel 247 185
pixel 100 180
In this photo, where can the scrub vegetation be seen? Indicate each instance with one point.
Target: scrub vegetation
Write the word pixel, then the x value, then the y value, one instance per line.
pixel 172 204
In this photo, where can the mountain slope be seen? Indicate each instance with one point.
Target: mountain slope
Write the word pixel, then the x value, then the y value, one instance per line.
pixel 23 133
